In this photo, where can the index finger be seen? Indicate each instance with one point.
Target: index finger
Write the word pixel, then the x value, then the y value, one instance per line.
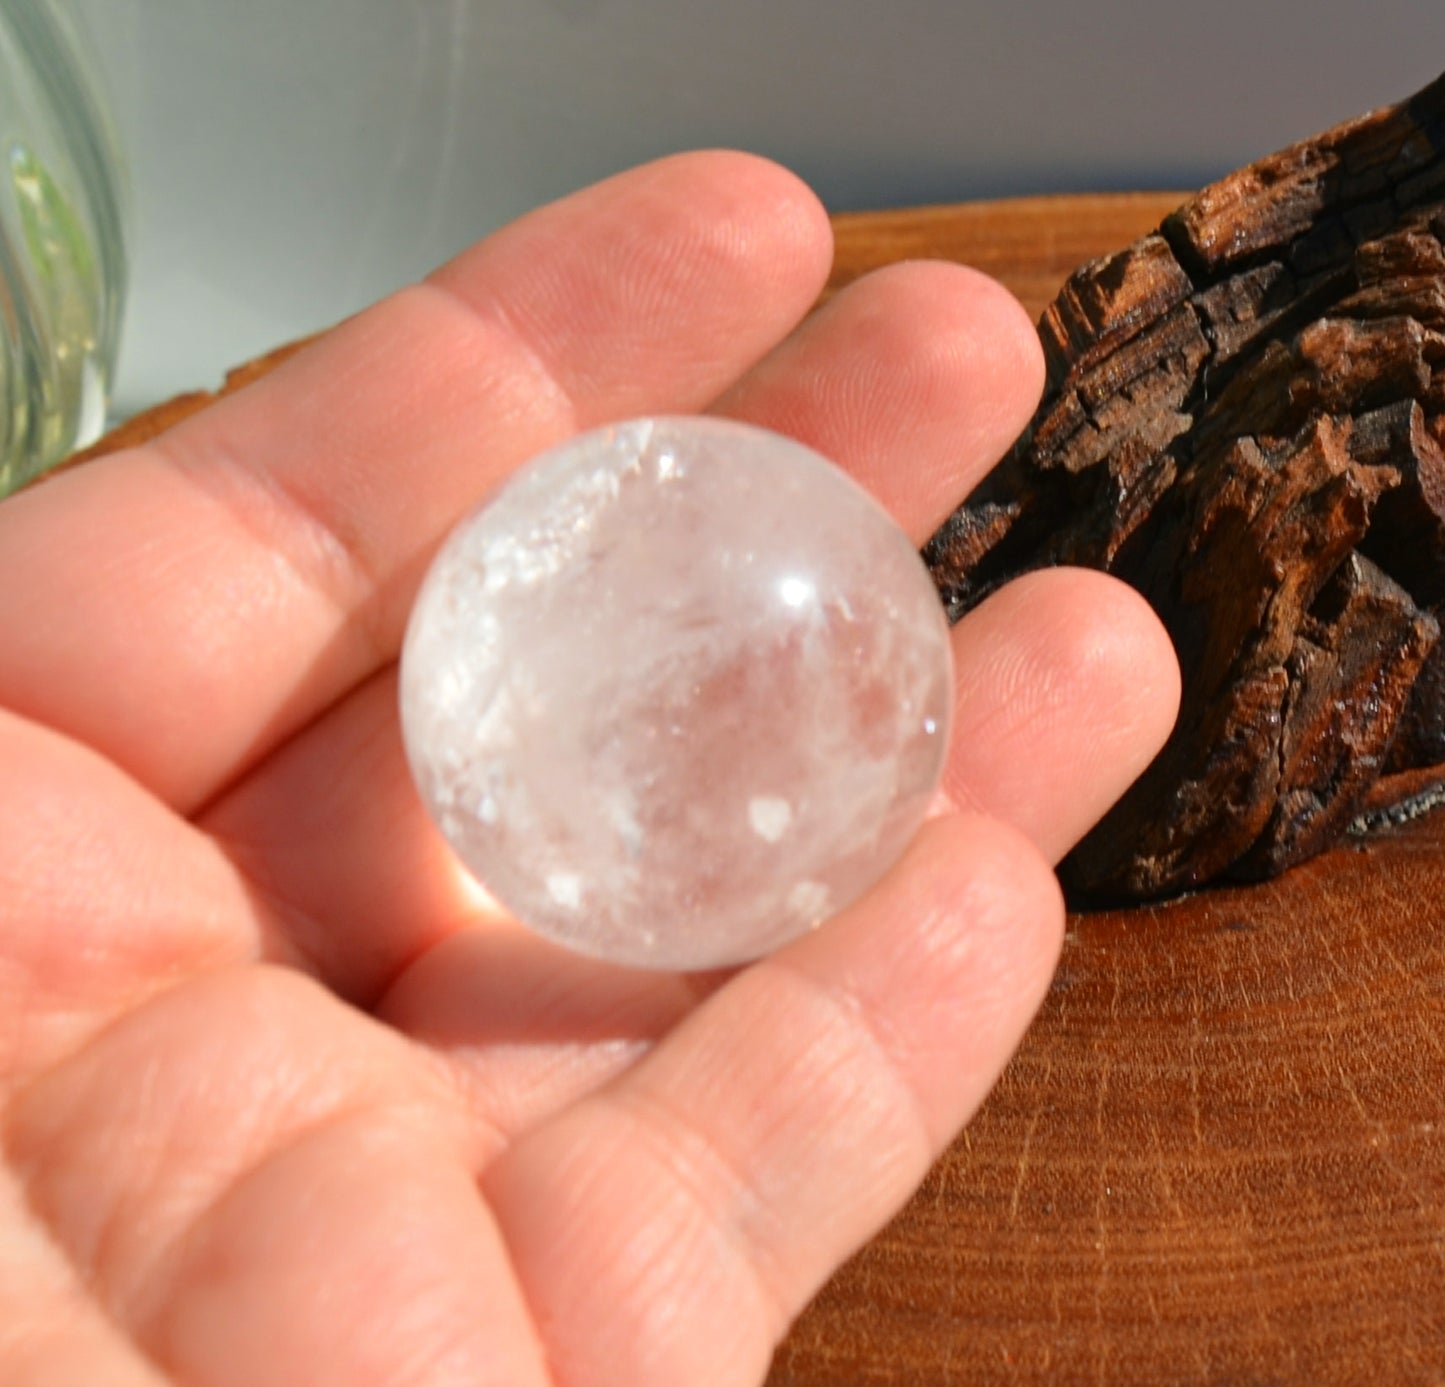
pixel 188 605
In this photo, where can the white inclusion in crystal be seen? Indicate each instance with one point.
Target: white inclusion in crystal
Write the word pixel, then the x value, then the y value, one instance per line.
pixel 623 813
pixel 565 888
pixel 769 817
pixel 809 899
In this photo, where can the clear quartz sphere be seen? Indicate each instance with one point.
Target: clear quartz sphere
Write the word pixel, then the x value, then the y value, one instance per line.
pixel 677 692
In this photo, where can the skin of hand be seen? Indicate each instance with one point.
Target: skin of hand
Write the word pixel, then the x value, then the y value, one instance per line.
pixel 281 1100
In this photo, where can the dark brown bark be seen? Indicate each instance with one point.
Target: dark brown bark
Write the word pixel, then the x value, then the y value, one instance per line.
pixel 1244 419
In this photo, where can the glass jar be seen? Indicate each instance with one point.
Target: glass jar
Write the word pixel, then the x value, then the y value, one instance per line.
pixel 62 246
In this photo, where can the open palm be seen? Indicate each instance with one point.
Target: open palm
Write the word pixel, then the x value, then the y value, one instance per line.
pixel 282 1099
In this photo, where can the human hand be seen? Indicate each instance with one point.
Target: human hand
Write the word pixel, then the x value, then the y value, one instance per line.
pixel 282 1100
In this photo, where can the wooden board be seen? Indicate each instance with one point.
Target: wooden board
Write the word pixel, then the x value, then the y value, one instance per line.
pixel 1032 244
pixel 1219 1156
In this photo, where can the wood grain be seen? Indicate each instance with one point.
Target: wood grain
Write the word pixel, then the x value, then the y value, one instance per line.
pixel 1032 244
pixel 1219 1156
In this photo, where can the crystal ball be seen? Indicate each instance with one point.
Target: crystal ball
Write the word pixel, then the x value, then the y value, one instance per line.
pixel 677 692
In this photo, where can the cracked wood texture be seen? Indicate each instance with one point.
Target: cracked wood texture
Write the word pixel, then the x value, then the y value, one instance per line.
pixel 1219 1156
pixel 1245 419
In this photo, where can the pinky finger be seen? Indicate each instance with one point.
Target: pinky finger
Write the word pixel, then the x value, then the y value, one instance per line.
pixel 700 1200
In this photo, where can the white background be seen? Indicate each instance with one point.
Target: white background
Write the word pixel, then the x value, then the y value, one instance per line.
pixel 293 159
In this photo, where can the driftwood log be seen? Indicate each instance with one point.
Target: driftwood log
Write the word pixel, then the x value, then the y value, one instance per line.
pixel 1244 419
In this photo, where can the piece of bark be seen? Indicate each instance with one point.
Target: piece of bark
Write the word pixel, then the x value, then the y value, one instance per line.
pixel 1243 418
pixel 1354 666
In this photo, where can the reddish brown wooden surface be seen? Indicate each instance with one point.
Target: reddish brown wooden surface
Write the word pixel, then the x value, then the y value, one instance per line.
pixel 1219 1156
pixel 1032 244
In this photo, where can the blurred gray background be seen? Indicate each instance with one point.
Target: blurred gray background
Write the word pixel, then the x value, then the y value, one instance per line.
pixel 293 159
